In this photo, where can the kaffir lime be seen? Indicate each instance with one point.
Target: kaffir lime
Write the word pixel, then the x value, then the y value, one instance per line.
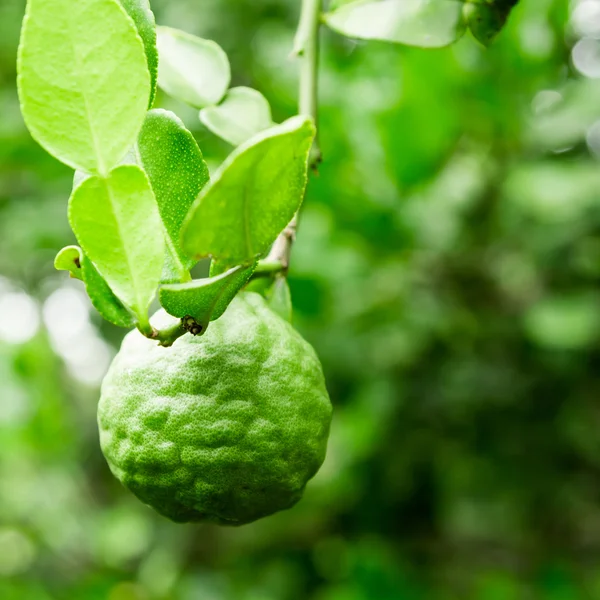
pixel 227 427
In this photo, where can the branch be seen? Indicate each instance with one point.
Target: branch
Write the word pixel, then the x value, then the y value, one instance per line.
pixel 306 47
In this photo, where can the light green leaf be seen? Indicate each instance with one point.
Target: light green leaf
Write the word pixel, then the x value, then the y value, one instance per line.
pixel 243 113
pixel 279 298
pixel 83 80
pixel 102 297
pixel 117 224
pixel 252 197
pixel 192 69
pixel 204 300
pixel 177 172
pixel 131 158
pixel 425 23
pixel 69 259
pixel 143 17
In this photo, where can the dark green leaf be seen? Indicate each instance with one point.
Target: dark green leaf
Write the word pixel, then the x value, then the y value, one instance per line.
pixel 204 300
pixel 486 20
pixel 143 17
pixel 252 197
pixel 102 297
pixel 177 173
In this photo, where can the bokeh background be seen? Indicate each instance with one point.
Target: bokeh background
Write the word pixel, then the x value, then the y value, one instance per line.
pixel 447 270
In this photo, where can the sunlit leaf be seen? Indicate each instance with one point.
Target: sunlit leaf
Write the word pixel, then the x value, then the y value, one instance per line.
pixel 252 197
pixel 243 113
pixel 69 259
pixel 204 300
pixel 192 69
pixel 83 80
pixel 117 224
pixel 177 173
pixel 143 17
pixel 425 23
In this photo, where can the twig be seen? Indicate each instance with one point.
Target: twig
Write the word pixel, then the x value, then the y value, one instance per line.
pixel 306 47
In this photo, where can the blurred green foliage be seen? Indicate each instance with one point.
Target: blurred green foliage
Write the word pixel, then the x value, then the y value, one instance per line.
pixel 447 270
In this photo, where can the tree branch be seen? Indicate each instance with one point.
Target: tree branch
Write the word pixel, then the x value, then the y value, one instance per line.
pixel 306 47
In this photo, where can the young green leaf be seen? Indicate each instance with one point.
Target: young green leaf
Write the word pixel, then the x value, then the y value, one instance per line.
pixel 279 298
pixel 243 113
pixel 192 69
pixel 487 20
pixel 252 197
pixel 177 172
pixel 143 17
pixel 69 259
pixel 117 223
pixel 83 80
pixel 425 23
pixel 204 300
pixel 102 297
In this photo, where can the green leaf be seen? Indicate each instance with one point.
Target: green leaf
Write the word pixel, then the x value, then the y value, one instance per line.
pixel 487 20
pixel 117 224
pixel 243 113
pixel 279 298
pixel 192 69
pixel 131 158
pixel 204 300
pixel 143 17
pixel 252 197
pixel 73 259
pixel 83 80
pixel 425 23
pixel 177 173
pixel 103 298
pixel 69 259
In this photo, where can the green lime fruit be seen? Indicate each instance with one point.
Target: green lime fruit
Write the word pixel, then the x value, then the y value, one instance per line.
pixel 225 428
